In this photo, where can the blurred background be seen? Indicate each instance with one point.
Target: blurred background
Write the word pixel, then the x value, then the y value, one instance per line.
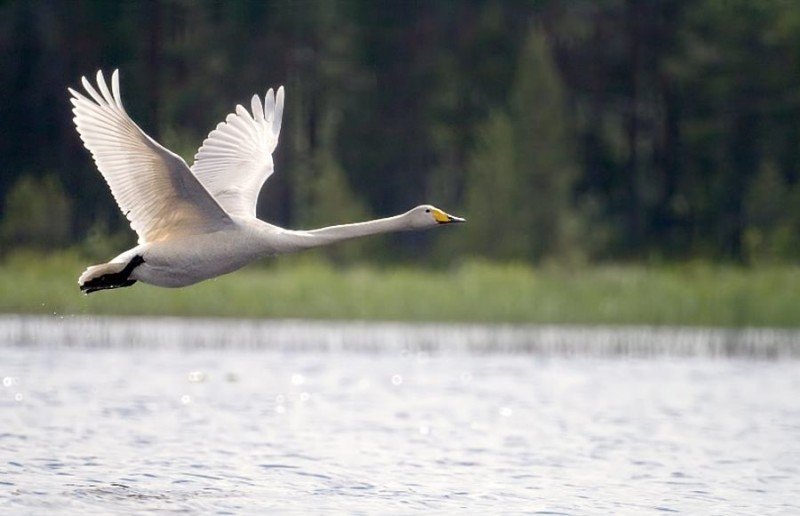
pixel 583 130
pixel 574 133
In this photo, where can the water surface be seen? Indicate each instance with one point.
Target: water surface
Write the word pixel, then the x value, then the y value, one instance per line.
pixel 230 429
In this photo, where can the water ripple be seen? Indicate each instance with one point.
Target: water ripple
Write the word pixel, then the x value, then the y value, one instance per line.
pixel 103 430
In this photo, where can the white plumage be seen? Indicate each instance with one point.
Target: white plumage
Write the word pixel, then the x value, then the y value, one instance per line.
pixel 236 158
pixel 197 223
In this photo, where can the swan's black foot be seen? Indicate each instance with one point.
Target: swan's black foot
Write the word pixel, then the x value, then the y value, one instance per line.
pixel 105 282
pixel 112 279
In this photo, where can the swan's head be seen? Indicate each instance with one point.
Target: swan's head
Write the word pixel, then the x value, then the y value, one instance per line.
pixel 428 216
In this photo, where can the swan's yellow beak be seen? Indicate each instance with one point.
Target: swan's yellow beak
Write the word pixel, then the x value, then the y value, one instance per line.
pixel 443 218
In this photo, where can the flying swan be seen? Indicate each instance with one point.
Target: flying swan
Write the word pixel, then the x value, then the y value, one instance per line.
pixel 200 222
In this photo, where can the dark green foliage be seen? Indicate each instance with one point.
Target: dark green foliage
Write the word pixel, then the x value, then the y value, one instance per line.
pixel 521 175
pixel 37 215
pixel 615 129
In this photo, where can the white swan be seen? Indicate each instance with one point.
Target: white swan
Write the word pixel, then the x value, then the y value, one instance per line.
pixel 200 222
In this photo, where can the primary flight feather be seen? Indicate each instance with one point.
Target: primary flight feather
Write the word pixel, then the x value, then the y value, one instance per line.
pixel 200 222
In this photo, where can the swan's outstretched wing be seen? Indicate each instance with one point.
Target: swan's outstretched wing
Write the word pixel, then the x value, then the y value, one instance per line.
pixel 236 158
pixel 153 187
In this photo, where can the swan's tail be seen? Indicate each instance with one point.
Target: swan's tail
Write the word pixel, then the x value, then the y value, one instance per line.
pixel 108 275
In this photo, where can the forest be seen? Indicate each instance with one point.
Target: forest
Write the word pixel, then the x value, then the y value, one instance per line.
pixel 564 131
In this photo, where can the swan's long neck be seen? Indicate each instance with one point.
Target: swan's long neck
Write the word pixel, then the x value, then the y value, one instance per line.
pixel 330 235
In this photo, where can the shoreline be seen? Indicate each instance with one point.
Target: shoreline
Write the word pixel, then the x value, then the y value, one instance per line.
pixel 299 335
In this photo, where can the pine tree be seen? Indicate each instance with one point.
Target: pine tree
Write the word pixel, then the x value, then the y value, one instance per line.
pixel 38 214
pixel 522 174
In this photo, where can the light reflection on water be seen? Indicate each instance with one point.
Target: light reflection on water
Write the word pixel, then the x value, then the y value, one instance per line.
pixel 237 429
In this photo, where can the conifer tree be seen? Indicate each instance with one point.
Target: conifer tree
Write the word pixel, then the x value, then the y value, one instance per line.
pixel 522 173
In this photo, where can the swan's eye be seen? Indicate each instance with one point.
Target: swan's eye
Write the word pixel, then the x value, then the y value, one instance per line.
pixel 427 210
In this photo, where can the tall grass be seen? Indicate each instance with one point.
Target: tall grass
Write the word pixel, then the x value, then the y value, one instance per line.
pixel 687 294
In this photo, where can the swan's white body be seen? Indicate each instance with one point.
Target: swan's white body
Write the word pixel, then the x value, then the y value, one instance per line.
pixel 198 223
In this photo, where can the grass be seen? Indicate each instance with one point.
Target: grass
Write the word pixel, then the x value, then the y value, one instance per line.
pixel 687 294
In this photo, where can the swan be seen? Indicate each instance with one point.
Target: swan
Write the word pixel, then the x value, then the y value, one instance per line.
pixel 196 223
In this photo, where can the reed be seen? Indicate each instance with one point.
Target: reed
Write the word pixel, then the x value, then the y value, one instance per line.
pixel 699 294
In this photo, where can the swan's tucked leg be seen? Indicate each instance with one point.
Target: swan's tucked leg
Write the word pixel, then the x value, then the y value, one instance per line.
pixel 108 275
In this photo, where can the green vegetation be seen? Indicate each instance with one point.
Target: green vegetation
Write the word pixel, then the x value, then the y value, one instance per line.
pixel 521 176
pixel 689 294
pixel 575 133
pixel 596 131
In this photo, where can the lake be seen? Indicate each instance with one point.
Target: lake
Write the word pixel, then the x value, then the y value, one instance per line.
pixel 220 416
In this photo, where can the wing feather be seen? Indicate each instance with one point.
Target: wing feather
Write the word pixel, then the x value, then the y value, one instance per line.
pixel 153 187
pixel 236 159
